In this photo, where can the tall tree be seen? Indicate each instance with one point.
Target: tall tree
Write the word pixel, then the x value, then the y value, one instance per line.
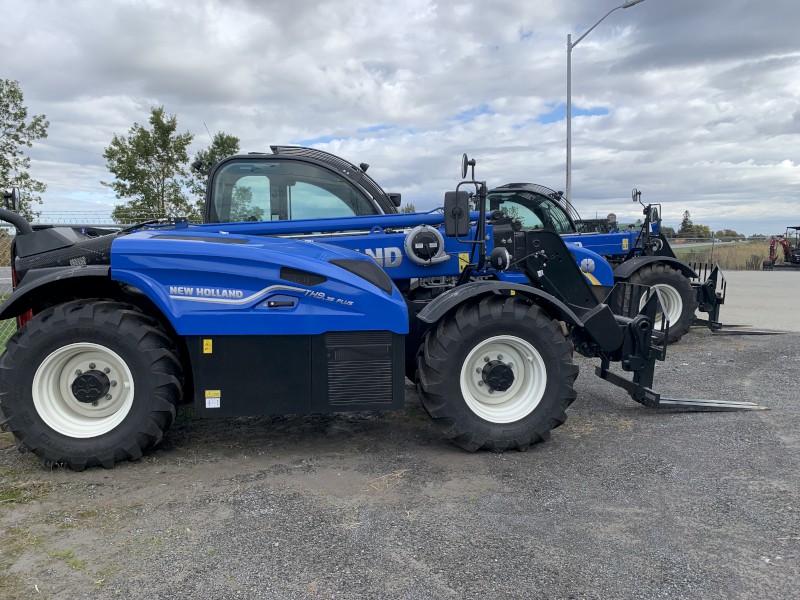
pixel 223 145
pixel 688 229
pixel 17 131
pixel 149 167
pixel 686 224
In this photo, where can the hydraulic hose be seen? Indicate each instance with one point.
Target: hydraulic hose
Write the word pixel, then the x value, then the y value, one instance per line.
pixel 22 225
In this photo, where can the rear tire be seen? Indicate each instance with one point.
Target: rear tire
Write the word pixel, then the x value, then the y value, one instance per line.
pixel 512 400
pixel 89 383
pixel 676 293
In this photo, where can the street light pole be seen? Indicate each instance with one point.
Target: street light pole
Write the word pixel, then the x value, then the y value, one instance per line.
pixel 570 46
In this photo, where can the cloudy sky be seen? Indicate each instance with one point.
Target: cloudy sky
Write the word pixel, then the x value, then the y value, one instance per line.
pixel 695 102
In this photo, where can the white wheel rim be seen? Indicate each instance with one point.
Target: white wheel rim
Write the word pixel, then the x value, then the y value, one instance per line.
pixel 56 403
pixel 523 395
pixel 671 301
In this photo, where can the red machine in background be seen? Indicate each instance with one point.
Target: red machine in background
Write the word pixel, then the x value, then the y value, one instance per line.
pixel 791 253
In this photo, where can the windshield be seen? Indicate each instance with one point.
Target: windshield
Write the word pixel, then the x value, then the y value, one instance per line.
pixel 280 190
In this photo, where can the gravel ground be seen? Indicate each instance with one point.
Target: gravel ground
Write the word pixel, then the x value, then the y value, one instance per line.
pixel 623 502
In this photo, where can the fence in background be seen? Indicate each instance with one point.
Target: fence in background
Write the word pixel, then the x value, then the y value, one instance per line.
pixel 8 327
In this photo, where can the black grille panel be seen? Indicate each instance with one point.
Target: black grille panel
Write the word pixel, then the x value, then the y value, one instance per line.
pixel 92 251
pixel 359 367
pixel 366 269
pixel 302 277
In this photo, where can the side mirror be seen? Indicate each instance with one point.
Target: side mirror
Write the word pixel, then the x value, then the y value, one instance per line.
pixel 396 199
pixel 465 164
pixel 456 214
pixel 11 199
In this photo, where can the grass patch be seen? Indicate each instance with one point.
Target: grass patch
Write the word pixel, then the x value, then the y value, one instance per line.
pixel 6 441
pixel 20 492
pixel 16 541
pixel 738 256
pixel 68 556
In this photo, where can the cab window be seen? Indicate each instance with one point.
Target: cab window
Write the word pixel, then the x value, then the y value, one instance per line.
pixel 520 212
pixel 279 190
pixel 533 211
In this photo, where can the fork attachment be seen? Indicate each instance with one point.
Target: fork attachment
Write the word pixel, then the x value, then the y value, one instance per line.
pixel 642 346
pixel 710 288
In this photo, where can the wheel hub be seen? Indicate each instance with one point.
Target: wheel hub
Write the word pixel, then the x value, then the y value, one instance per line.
pixel 497 375
pixel 90 386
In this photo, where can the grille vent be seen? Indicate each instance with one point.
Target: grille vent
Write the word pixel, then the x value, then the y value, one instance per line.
pixel 302 277
pixel 359 367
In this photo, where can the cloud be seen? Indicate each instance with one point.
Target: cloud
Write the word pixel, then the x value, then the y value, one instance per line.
pixel 695 105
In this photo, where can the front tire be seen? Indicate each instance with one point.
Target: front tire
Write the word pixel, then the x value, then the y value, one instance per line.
pixel 89 383
pixel 513 399
pixel 680 301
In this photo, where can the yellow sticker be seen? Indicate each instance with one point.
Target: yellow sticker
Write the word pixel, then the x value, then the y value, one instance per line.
pixel 592 279
pixel 208 346
pixel 624 243
pixel 463 261
pixel 213 398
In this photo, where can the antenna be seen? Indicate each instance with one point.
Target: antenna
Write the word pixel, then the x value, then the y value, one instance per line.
pixel 209 133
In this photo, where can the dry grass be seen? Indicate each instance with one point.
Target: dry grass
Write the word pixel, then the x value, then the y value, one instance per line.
pixel 737 256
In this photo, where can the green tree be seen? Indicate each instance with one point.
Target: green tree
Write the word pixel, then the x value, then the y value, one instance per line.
pixel 17 131
pixel 149 167
pixel 728 234
pixel 242 208
pixel 668 231
pixel 688 229
pixel 222 146
pixel 408 208
pixel 686 224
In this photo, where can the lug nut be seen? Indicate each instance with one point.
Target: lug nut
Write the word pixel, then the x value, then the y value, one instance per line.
pixel 486 359
pixel 106 370
pixel 95 403
pixel 480 384
pixel 499 357
pixel 477 370
pixel 491 391
pixel 510 365
pixel 108 397
pixel 78 373
pixel 113 384
pixel 92 365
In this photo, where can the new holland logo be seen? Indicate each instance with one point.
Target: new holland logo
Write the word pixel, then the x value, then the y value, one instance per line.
pixel 204 292
pixel 587 265
pixel 385 257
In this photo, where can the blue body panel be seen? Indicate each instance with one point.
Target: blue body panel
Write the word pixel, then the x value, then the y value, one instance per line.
pixel 605 244
pixel 217 284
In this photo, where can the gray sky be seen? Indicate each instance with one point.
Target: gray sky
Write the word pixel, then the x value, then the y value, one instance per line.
pixel 695 102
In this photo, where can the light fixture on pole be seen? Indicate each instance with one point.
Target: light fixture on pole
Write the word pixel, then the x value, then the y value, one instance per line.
pixel 570 46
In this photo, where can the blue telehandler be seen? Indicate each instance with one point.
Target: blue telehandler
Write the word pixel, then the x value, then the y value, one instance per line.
pixel 116 331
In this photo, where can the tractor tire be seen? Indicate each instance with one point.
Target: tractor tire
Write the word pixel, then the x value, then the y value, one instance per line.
pixel 89 382
pixel 676 293
pixel 497 374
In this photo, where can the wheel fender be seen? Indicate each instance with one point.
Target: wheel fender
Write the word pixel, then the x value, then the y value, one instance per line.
pixel 450 300
pixel 19 301
pixel 624 271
